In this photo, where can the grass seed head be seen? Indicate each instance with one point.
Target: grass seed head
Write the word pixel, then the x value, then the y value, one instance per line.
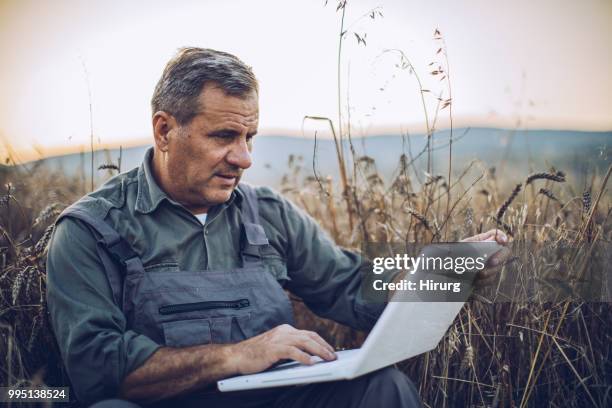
pixel 557 176
pixel 504 207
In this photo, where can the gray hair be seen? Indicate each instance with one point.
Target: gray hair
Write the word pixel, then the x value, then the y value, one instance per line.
pixel 186 74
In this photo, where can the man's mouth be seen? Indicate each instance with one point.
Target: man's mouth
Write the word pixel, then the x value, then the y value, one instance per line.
pixel 227 176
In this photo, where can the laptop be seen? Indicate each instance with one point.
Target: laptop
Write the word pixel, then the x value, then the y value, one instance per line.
pixel 407 327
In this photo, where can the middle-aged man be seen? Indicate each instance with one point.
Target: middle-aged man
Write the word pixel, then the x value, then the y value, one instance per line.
pixel 171 276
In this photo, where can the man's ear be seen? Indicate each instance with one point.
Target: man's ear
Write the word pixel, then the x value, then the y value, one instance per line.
pixel 163 125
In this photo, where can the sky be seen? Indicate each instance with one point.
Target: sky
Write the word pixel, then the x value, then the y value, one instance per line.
pixel 70 67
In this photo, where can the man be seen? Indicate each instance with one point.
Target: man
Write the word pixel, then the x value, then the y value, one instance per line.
pixel 170 277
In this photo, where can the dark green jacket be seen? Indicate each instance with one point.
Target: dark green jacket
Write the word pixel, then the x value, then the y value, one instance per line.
pixel 90 327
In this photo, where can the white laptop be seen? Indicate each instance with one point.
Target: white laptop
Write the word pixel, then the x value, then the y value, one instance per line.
pixel 406 328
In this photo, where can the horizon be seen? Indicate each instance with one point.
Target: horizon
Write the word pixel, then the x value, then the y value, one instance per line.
pixel 39 153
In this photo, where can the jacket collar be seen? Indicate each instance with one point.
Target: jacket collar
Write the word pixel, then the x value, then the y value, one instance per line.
pixel 150 194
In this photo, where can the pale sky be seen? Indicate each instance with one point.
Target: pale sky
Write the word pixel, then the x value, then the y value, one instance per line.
pixel 546 63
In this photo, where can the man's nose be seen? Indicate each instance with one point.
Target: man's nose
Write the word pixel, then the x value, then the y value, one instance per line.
pixel 240 154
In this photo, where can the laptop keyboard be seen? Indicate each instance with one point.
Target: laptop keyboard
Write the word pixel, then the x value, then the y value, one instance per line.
pixel 285 364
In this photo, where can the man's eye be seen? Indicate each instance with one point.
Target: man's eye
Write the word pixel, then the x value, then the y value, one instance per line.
pixel 224 136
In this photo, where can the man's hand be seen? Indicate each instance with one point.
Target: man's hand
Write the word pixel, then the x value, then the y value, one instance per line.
pixel 282 342
pixel 487 276
pixel 173 371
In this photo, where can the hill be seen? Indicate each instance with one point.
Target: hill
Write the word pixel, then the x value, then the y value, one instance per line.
pixel 574 151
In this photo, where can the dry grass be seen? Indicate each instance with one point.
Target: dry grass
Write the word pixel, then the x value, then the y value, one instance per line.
pixel 542 352
pixel 553 353
pixel 31 200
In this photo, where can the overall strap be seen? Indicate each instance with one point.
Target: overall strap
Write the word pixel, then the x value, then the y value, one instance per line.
pixel 253 234
pixel 119 249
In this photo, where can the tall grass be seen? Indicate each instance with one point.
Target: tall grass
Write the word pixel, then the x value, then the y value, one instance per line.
pixel 27 212
pixel 553 352
pixel 549 353
pixel 34 197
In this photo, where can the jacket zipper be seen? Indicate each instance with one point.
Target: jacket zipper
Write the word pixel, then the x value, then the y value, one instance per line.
pixel 192 307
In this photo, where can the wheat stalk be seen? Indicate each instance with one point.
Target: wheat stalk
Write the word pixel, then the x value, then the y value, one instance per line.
pixel 504 207
pixel 549 194
pixel 558 177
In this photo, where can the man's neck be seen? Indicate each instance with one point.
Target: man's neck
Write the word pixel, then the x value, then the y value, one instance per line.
pixel 164 184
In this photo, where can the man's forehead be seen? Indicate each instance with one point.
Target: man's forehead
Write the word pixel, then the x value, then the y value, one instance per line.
pixel 217 105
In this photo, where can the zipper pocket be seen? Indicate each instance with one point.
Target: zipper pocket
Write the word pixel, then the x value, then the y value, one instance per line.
pixel 192 307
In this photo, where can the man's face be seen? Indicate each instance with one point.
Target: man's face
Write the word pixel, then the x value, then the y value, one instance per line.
pixel 205 158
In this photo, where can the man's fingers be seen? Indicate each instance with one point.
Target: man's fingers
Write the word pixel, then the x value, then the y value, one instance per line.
pixel 499 257
pixel 487 273
pixel 490 235
pixel 486 276
pixel 315 336
pixel 478 237
pixel 500 237
pixel 306 343
pixel 486 281
pixel 296 354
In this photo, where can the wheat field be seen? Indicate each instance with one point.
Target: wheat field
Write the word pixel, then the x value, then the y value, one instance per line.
pixel 527 351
